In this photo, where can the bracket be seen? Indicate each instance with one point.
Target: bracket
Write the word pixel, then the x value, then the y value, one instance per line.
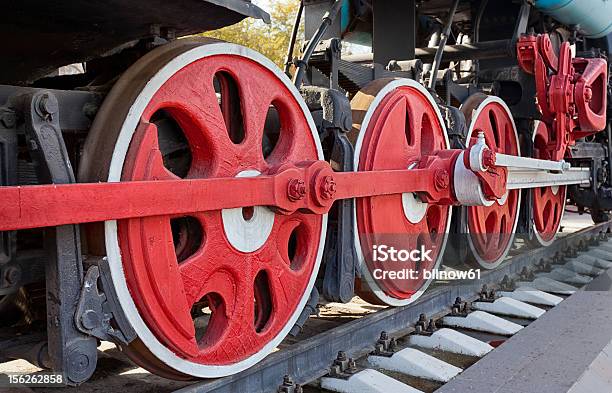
pixel 95 310
pixel 70 351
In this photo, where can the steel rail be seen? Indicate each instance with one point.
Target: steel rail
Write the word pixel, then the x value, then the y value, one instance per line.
pixel 310 359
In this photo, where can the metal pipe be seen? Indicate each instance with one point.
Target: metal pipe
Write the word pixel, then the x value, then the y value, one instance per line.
pixel 476 33
pixel 438 57
pixel 294 33
pixel 524 178
pixel 475 51
pixel 508 160
pixel 326 21
pixel 481 50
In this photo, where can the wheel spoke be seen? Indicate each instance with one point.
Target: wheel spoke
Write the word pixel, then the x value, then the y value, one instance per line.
pixel 203 273
pixel 161 270
pixel 419 143
pixel 495 233
pixel 286 254
pixel 146 161
pixel 281 283
pixel 190 98
pixel 241 317
pixel 234 331
pixel 398 141
pixel 256 101
pixel 501 130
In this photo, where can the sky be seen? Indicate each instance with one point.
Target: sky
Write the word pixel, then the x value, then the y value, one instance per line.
pixel 265 4
pixel 354 48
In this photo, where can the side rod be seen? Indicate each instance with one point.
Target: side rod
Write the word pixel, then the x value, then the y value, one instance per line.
pixel 38 206
pixel 311 187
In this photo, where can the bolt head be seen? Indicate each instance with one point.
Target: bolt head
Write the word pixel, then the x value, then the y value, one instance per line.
pixel 12 275
pixel 488 158
pixel 328 187
pixel 352 365
pixel 588 94
pixel 90 319
pixel 296 190
pixel 8 118
pixel 442 180
pixel 287 380
pixel 48 105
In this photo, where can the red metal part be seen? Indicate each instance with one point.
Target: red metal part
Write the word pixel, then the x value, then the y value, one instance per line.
pixel 491 228
pixel 404 132
pixel 51 205
pixel 249 296
pixel 548 202
pixel 493 178
pixel 571 92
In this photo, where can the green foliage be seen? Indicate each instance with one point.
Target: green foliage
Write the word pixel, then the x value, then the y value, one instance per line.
pixel 271 40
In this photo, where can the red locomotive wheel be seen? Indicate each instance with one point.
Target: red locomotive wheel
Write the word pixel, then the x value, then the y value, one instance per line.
pixel 209 294
pixel 491 229
pixel 398 123
pixel 548 202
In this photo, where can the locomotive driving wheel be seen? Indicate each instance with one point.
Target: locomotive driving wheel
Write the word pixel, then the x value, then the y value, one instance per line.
pixel 398 123
pixel 211 293
pixel 491 229
pixel 548 202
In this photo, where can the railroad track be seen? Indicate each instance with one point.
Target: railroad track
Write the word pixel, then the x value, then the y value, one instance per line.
pixel 413 348
pixel 345 358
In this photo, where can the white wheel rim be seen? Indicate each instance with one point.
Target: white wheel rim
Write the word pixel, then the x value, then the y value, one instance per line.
pixel 502 201
pixel 365 272
pixel 112 244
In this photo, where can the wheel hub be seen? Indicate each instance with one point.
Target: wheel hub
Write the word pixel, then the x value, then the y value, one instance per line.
pixel 247 228
pixel 414 208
